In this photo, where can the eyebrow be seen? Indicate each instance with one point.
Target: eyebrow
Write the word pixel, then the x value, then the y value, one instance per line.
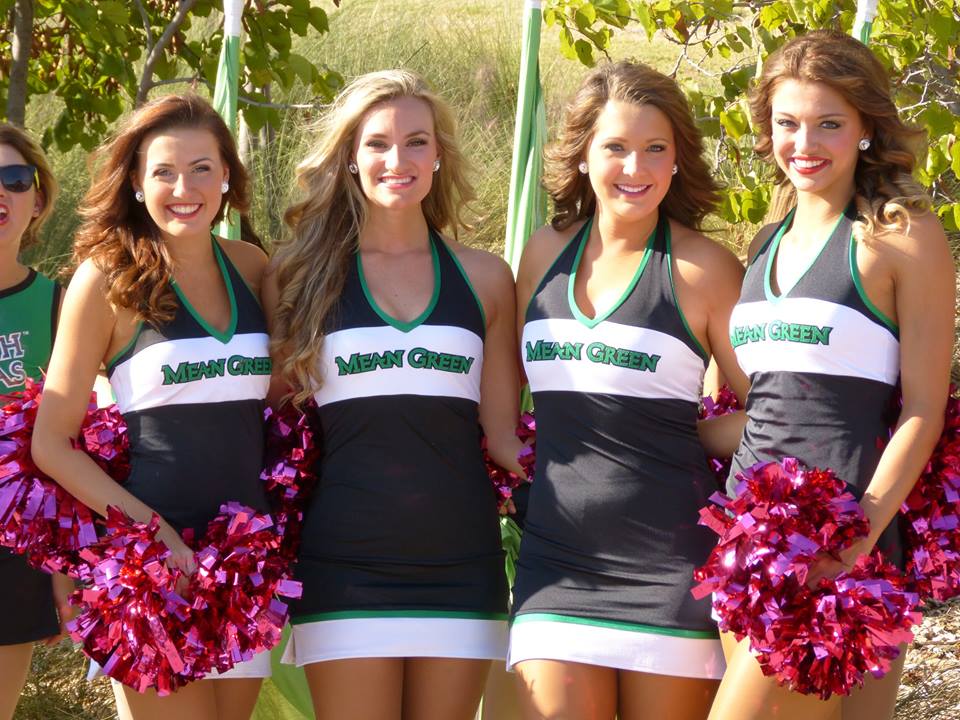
pixel 617 138
pixel 192 162
pixel 409 135
pixel 821 117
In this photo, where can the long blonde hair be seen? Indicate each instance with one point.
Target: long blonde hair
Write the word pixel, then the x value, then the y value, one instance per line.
pixel 311 263
pixel 886 194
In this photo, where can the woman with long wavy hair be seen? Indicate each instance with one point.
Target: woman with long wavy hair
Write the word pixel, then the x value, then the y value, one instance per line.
pixel 154 293
pixel 404 338
pixel 623 301
pixel 859 260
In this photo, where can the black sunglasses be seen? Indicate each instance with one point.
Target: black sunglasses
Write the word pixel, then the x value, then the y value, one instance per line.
pixel 18 178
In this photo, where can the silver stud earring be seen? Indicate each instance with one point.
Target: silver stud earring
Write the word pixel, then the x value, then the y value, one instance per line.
pixel 436 165
pixel 864 144
pixel 139 196
pixel 582 167
pixel 224 186
pixel 675 170
pixel 352 167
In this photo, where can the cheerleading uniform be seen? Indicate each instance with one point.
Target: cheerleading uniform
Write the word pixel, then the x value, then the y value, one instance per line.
pixel 401 551
pixel 823 362
pixel 611 538
pixel 28 323
pixel 193 400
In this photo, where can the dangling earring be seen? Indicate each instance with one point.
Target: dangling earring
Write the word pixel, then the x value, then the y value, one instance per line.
pixel 864 144
pixel 139 196
pixel 436 165
pixel 582 167
pixel 224 186
pixel 352 167
pixel 675 170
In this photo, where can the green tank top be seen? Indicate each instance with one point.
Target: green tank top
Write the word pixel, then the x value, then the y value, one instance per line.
pixel 28 322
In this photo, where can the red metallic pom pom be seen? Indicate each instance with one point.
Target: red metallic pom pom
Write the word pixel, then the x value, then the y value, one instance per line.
pixel 816 641
pixel 725 403
pixel 504 481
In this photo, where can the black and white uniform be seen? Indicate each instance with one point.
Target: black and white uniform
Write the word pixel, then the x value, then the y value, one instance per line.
pixel 823 363
pixel 611 538
pixel 193 400
pixel 401 551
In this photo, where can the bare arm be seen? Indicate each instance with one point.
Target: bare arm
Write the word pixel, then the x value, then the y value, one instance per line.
pixel 83 338
pixel 500 378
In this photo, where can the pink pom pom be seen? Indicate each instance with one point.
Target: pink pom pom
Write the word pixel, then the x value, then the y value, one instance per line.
pixel 819 641
pixel 932 514
pixel 504 481
pixel 725 403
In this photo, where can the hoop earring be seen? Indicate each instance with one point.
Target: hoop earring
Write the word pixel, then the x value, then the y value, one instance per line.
pixel 864 144
pixel 352 167
pixel 582 167
pixel 139 196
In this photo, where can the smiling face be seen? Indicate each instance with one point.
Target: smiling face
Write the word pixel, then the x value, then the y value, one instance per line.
pixel 16 209
pixel 395 149
pixel 815 133
pixel 630 159
pixel 180 172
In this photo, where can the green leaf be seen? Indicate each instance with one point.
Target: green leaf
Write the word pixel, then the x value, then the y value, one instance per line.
pixel 735 122
pixel 584 52
pixel 113 12
pixel 318 19
pixel 566 44
pixel 955 157
pixel 302 67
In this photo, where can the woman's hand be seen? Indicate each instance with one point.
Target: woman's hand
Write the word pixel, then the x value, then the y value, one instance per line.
pixel 827 566
pixel 63 587
pixel 181 557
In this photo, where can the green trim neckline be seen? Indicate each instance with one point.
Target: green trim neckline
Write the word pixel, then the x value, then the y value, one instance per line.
pixel 775 246
pixel 705 356
pixel 225 336
pixel 861 291
pixel 601 316
pixel 466 278
pixel 617 625
pixel 419 320
pixel 375 614
pixel 111 363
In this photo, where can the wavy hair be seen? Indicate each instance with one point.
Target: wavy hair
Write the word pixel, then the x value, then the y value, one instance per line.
pixel 693 192
pixel 311 262
pixel 117 232
pixel 47 186
pixel 886 193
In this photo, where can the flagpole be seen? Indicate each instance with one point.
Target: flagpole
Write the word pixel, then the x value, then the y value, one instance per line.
pixel 526 209
pixel 226 91
pixel 863 22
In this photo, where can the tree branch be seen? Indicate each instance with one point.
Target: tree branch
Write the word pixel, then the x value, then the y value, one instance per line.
pixel 146 24
pixel 146 79
pixel 21 46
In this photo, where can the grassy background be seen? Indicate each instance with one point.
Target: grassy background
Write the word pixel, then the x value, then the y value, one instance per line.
pixel 470 53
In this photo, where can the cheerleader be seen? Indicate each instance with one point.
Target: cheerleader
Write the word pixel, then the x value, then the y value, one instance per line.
pixel 623 301
pixel 155 297
pixel 849 293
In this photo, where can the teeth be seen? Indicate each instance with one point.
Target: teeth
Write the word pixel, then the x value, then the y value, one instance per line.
pixel 632 188
pixel 397 180
pixel 183 209
pixel 807 164
pixel 3 213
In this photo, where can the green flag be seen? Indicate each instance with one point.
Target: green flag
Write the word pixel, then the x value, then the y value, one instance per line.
pixel 863 22
pixel 226 91
pixel 527 206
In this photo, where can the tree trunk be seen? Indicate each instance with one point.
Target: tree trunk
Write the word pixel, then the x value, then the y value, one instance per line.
pixel 22 45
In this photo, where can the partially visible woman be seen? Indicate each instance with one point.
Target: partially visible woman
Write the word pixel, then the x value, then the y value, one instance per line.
pixel 154 297
pixel 847 295
pixel 29 310
pixel 404 337
pixel 622 303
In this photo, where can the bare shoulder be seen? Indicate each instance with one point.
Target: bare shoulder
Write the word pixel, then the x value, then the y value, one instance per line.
pixel 249 260
pixel 703 262
pixel 760 239
pixel 89 278
pixel 488 273
pixel 924 239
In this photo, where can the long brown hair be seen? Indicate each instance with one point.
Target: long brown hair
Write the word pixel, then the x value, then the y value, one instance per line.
pixel 47 186
pixel 311 264
pixel 118 233
pixel 693 192
pixel 886 193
